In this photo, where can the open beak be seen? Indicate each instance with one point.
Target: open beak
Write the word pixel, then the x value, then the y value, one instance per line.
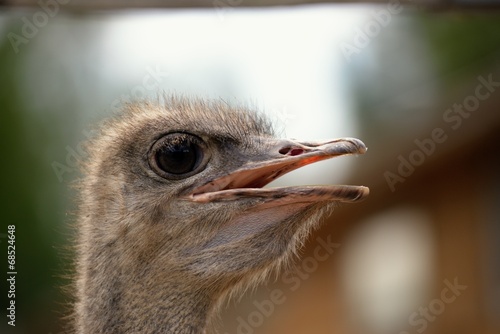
pixel 284 156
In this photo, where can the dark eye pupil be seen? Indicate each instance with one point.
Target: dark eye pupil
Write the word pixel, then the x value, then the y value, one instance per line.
pixel 178 157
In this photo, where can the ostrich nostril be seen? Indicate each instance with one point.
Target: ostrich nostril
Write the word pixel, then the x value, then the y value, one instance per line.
pixel 292 151
pixel 296 151
pixel 285 150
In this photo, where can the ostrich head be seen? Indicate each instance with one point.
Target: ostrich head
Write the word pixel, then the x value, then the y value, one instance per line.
pixel 174 215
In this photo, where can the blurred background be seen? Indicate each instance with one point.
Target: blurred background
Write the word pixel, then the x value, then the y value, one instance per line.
pixel 418 83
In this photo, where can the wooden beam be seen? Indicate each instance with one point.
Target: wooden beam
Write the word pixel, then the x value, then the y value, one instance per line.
pixel 133 4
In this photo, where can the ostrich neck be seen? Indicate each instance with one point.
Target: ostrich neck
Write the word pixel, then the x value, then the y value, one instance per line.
pixel 115 296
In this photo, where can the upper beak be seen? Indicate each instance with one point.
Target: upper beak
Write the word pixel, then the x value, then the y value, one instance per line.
pixel 281 157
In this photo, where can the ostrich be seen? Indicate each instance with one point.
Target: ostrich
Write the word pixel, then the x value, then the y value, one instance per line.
pixel 173 217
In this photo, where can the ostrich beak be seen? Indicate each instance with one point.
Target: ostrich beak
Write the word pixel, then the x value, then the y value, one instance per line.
pixel 279 158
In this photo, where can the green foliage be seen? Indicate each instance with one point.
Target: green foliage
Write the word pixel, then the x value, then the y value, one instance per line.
pixel 461 40
pixel 31 200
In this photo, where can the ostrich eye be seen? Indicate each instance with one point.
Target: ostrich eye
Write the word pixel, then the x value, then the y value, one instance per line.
pixel 177 155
